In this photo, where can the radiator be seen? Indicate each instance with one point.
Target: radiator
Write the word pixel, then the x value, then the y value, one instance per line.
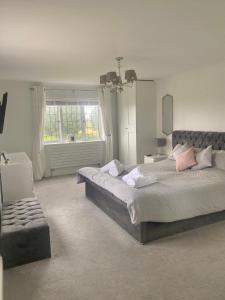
pixel 74 154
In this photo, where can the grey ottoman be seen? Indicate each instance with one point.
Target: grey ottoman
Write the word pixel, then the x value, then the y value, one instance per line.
pixel 24 233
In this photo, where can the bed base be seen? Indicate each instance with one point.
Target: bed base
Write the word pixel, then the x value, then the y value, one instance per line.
pixel 150 231
pixel 146 231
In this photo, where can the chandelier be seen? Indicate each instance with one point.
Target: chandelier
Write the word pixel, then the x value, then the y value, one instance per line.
pixel 114 82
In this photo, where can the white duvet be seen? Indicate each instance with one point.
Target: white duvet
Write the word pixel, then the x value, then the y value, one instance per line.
pixel 176 195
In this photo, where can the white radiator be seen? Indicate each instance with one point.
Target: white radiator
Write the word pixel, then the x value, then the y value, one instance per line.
pixel 74 155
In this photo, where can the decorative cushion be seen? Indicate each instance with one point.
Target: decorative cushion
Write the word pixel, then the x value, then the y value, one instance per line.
pixel 185 160
pixel 177 150
pixel 203 158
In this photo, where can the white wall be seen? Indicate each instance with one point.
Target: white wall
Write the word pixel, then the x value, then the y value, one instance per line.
pixel 199 104
pixel 18 128
pixel 199 99
pixel 18 132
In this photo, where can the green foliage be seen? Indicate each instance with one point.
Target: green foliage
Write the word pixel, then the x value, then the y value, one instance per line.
pixel 74 122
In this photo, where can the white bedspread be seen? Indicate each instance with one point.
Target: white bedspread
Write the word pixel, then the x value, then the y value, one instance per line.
pixel 176 195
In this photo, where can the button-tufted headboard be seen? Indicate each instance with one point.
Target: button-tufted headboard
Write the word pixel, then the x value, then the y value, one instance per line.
pixel 199 139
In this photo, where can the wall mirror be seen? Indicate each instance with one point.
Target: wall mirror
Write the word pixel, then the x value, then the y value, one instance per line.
pixel 167 114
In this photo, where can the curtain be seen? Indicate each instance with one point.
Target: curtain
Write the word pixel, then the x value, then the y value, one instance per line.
pixel 38 151
pixel 104 96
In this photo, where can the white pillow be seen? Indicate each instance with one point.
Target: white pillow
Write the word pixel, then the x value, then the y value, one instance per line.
pixel 218 159
pixel 178 149
pixel 173 151
pixel 203 158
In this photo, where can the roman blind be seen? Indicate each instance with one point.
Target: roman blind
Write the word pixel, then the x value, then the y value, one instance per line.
pixel 56 96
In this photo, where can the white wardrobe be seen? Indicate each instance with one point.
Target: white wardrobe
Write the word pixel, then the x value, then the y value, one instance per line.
pixel 137 122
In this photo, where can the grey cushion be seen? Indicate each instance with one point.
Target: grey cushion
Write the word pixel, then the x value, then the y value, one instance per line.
pixel 218 159
pixel 203 158
pixel 24 233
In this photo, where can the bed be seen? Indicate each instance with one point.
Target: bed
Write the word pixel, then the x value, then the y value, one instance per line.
pixel 204 206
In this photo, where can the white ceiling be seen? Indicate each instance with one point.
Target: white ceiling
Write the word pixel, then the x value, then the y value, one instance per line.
pixel 74 41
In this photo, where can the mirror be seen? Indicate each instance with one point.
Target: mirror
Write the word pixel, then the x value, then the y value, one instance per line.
pixel 167 114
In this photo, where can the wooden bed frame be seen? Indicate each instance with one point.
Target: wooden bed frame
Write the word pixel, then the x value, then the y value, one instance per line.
pixel 149 231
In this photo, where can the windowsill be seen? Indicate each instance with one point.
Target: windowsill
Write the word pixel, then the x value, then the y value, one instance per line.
pixel 77 142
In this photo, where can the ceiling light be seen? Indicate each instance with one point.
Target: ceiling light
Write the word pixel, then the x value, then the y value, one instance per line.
pixel 114 82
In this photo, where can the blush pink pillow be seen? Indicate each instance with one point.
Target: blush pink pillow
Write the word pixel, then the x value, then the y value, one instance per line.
pixel 185 160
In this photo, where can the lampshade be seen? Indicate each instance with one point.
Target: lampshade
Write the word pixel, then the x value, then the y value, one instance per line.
pixel 103 79
pixel 160 142
pixel 130 75
pixel 111 76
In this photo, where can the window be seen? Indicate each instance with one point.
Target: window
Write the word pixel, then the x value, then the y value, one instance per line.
pixel 71 121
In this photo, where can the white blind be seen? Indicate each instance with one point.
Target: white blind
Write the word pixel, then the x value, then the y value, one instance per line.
pixel 71 96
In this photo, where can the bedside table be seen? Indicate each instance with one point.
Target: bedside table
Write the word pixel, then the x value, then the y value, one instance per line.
pixel 154 158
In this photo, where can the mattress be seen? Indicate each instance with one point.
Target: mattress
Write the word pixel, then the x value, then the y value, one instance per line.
pixel 176 195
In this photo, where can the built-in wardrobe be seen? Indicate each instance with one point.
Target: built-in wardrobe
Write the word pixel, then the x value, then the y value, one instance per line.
pixel 137 121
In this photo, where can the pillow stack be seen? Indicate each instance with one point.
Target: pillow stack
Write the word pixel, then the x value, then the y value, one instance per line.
pixel 189 158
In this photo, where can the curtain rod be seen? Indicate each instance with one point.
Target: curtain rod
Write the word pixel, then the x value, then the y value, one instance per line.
pixel 80 90
pixel 70 89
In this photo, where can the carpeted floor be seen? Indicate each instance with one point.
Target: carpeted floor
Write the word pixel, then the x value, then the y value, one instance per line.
pixel 94 259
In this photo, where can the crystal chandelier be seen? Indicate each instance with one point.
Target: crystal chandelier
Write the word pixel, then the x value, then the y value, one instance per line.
pixel 114 82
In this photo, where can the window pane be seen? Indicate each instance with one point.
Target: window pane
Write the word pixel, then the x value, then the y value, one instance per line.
pixel 80 122
pixel 68 123
pixel 51 124
pixel 92 122
pixel 71 122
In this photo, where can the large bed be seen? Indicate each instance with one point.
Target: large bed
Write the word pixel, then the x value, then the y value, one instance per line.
pixel 177 202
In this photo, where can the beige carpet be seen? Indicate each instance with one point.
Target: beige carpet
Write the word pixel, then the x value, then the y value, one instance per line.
pixel 94 259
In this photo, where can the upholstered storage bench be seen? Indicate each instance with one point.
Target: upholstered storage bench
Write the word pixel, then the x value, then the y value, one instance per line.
pixel 24 233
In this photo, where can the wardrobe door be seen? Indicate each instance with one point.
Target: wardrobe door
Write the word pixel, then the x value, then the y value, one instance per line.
pixel 131 107
pixel 146 118
pixel 132 150
pixel 123 126
pixel 123 109
pixel 132 146
pixel 123 146
pixel 127 125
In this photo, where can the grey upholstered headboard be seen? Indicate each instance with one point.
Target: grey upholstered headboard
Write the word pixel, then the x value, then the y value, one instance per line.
pixel 199 139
